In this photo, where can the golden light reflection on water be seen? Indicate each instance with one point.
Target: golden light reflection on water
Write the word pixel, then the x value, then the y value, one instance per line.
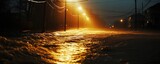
pixel 82 31
pixel 69 53
pixel 72 49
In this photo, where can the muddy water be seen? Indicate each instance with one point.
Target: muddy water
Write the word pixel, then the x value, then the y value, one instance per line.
pixel 70 47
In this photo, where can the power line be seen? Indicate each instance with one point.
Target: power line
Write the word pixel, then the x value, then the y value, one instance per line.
pixel 58 8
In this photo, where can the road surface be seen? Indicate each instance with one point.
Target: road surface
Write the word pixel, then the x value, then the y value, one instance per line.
pixel 82 46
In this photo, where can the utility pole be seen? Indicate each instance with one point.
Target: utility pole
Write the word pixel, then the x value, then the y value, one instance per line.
pixel 44 18
pixel 65 15
pixel 142 7
pixel 78 21
pixel 20 7
pixel 135 24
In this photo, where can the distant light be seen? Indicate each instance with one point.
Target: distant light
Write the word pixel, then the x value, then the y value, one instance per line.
pixel 130 18
pixel 121 20
pixel 113 26
pixel 147 22
pixel 66 9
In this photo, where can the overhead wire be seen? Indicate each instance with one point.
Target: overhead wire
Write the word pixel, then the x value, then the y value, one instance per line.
pixel 53 6
pixel 57 6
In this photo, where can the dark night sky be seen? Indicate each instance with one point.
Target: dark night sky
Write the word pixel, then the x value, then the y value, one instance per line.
pixel 110 10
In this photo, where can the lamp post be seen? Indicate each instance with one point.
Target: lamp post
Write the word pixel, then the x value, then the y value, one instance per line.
pixel 84 14
pixel 79 9
pixel 65 15
pixel 78 21
pixel 135 15
pixel 44 19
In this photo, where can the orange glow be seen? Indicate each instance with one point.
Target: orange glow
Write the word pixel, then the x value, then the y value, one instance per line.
pixel 87 18
pixel 112 26
pixel 66 9
pixel 75 8
pixel 81 31
pixel 72 0
pixel 69 53
pixel 84 14
pixel 75 52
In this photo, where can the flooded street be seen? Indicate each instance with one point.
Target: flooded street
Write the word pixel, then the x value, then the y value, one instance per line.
pixel 75 46
pixel 79 47
pixel 80 32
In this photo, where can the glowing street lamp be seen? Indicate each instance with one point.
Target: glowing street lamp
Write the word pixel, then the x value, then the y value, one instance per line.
pixel 79 10
pixel 71 1
pixel 65 20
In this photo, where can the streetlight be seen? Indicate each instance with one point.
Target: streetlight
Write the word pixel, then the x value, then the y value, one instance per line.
pixel 84 23
pixel 65 16
pixel 79 10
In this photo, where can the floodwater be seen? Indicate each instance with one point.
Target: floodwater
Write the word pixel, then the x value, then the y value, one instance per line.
pixel 69 47
pixel 74 47
pixel 79 47
pixel 69 53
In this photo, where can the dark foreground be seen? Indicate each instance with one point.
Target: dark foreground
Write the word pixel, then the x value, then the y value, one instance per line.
pixel 81 47
pixel 133 49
